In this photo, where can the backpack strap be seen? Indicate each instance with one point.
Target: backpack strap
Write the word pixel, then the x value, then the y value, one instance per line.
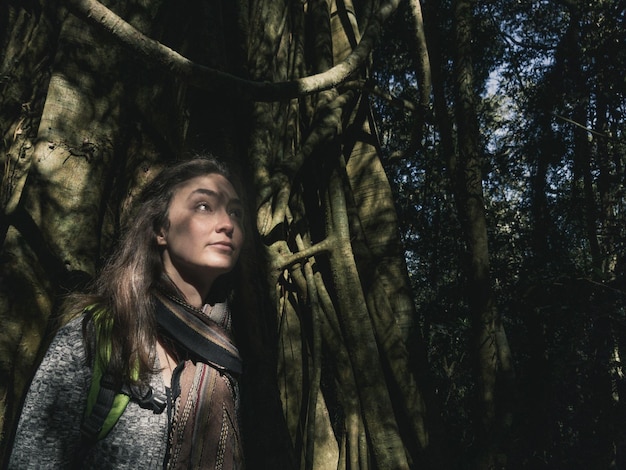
pixel 105 405
pixel 106 402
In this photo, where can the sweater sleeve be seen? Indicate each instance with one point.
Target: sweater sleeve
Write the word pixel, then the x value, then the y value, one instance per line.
pixel 48 432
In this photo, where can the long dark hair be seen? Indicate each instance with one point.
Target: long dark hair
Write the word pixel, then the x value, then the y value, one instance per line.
pixel 120 294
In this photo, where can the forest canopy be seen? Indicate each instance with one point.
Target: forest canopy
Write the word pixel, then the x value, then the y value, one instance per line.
pixel 549 82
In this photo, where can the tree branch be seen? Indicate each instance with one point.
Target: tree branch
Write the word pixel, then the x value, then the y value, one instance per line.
pixel 324 246
pixel 96 14
pixel 588 129
pixel 392 100
pixel 423 70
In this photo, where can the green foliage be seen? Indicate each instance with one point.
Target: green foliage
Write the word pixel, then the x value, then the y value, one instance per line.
pixel 555 206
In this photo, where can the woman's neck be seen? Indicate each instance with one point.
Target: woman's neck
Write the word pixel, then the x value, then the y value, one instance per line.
pixel 191 293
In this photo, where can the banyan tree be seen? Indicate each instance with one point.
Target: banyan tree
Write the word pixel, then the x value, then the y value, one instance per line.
pixel 96 97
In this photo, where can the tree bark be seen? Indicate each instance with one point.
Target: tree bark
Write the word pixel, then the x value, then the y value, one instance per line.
pixel 326 358
pixel 491 351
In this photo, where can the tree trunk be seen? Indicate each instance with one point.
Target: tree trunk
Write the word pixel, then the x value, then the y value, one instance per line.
pixel 327 313
pixel 491 350
pixel 321 296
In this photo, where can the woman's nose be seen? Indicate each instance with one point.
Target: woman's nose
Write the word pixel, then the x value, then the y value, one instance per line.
pixel 225 223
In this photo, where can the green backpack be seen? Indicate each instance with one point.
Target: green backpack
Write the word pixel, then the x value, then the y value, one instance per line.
pixel 106 402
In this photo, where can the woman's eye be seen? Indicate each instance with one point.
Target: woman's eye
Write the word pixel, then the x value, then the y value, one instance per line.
pixel 237 213
pixel 203 206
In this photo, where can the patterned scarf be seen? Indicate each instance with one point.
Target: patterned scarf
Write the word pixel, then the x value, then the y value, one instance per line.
pixel 204 429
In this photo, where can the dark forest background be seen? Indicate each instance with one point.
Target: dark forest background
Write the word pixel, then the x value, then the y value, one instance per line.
pixel 550 77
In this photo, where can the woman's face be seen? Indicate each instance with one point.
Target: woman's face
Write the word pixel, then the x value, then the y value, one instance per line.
pixel 205 232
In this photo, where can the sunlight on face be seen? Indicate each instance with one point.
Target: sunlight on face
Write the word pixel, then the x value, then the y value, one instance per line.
pixel 205 232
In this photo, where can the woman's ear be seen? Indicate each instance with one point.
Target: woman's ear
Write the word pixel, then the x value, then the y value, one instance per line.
pixel 161 238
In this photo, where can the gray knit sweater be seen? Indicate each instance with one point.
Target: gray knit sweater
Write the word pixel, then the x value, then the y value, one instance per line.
pixel 48 433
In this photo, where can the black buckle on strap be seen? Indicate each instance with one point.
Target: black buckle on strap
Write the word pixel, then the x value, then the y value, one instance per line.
pixel 148 400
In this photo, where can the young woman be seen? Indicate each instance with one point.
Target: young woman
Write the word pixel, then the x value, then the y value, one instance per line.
pixel 157 329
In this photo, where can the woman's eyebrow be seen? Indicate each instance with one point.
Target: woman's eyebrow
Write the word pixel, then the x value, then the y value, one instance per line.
pixel 215 194
pixel 207 192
